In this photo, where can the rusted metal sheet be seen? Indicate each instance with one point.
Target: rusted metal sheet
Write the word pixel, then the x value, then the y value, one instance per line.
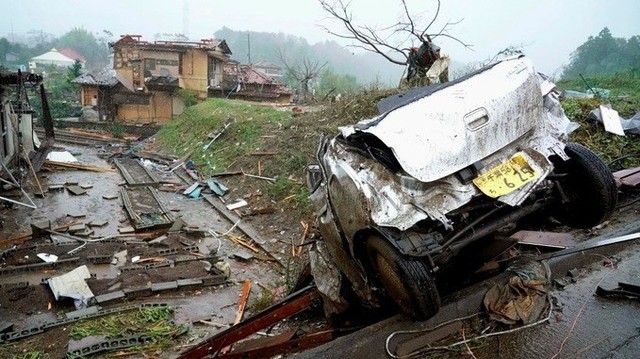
pixel 545 239
pixel 293 304
pixel 144 208
pixel 629 177
pixel 135 173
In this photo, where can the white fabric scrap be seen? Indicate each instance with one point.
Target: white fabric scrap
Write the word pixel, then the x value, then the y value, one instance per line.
pixel 611 120
pixel 61 156
pixel 49 258
pixel 72 285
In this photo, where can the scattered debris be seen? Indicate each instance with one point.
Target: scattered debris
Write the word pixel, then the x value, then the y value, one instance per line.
pixel 217 187
pixel 405 347
pixel 236 205
pixel 78 166
pixel 523 299
pixel 214 136
pixel 126 230
pixel 48 258
pixel 145 209
pixel 135 173
pixel 242 255
pixel 110 196
pixel 614 123
pixel 623 289
pixel 72 285
pixel 76 228
pixel 77 214
pixel 629 177
pixel 61 156
pixel 287 307
pixel 76 190
pixel 270 179
pixel 98 223
pixel 545 239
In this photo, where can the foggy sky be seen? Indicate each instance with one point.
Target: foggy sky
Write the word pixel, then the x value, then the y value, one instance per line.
pixel 548 30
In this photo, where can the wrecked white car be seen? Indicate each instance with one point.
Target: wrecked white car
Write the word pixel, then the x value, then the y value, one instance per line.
pixel 398 196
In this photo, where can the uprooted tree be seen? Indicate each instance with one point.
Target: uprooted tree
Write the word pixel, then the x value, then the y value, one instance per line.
pixel 396 42
pixel 302 71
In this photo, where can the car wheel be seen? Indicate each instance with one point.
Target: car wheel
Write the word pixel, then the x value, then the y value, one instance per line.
pixel 408 281
pixel 589 190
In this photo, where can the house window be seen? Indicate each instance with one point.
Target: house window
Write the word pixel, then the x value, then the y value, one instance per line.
pixel 150 64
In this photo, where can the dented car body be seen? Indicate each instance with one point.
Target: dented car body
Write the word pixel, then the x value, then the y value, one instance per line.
pixel 397 196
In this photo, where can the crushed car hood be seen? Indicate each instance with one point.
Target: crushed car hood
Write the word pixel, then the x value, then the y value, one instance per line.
pixel 462 123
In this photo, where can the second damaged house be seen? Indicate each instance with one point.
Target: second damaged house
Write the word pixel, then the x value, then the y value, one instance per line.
pixel 147 76
pixel 258 82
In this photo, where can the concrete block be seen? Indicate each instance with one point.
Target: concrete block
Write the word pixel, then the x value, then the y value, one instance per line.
pixel 156 287
pixel 110 296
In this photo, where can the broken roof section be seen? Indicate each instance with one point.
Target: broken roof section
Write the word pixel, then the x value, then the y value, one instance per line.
pixel 72 54
pixel 101 78
pixel 248 81
pixel 207 44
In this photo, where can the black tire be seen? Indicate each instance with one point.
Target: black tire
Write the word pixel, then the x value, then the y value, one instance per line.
pixel 588 185
pixel 408 281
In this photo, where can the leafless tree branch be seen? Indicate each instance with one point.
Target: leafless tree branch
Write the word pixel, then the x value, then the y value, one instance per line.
pixel 302 71
pixel 381 40
pixel 432 21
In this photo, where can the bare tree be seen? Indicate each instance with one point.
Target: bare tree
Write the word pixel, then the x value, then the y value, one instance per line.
pixel 394 42
pixel 303 71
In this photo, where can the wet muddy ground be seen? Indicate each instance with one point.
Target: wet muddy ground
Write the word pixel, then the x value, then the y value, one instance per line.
pixel 35 304
pixel 575 306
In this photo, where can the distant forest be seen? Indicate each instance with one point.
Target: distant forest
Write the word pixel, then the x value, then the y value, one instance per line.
pixel 91 46
pixel 365 67
pixel 345 69
pixel 605 54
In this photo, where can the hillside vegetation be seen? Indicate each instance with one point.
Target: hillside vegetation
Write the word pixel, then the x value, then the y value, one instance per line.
pixel 624 97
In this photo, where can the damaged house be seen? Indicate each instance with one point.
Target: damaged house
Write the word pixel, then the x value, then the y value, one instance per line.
pixel 148 76
pixel 17 138
pixel 256 83
pixel 16 122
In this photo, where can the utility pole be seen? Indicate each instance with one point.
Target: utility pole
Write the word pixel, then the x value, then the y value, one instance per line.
pixel 185 19
pixel 249 46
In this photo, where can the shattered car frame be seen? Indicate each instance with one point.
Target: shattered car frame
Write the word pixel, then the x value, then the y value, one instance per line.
pixel 398 196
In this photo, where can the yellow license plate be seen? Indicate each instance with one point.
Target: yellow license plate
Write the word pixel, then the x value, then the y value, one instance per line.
pixel 506 177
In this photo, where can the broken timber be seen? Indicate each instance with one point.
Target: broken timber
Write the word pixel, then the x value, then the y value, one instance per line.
pixel 135 173
pixel 293 304
pixel 243 227
pixel 145 209
pixel 77 166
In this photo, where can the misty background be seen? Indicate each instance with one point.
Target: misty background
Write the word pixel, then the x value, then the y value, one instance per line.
pixel 547 31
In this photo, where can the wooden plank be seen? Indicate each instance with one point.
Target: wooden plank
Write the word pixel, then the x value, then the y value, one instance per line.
pixel 244 297
pixel 247 229
pixel 78 166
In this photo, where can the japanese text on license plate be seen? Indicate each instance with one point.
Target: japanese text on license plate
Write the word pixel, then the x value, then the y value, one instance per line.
pixel 506 177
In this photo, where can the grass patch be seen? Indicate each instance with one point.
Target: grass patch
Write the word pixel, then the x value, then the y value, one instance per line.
pixel 624 98
pixel 286 190
pixel 117 130
pixel 152 322
pixel 264 300
pixel 622 84
pixel 189 132
pixel 32 355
